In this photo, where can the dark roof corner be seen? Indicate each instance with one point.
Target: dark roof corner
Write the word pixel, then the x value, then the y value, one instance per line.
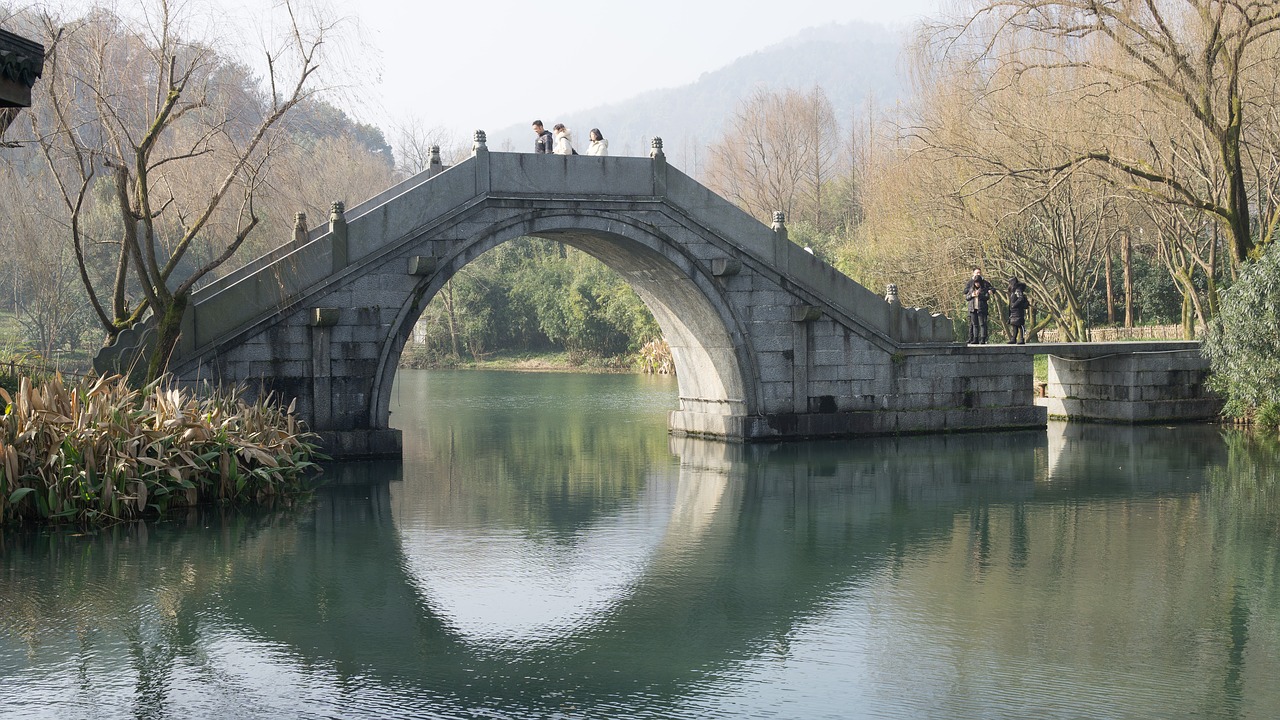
pixel 21 62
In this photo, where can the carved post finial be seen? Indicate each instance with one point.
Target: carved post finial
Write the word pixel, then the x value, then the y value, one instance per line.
pixel 479 143
pixel 300 226
pixel 891 294
pixel 433 156
pixel 780 224
pixel 338 234
pixel 656 151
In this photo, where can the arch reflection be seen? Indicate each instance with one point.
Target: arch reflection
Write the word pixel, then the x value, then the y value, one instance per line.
pixel 935 576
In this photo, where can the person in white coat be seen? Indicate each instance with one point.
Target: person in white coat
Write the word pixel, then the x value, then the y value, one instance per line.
pixel 564 142
pixel 599 146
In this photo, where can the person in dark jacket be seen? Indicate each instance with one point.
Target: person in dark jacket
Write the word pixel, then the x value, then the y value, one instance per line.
pixel 545 142
pixel 1018 304
pixel 976 293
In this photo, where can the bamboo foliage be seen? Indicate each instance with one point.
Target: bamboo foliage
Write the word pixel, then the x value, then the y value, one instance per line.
pixel 96 451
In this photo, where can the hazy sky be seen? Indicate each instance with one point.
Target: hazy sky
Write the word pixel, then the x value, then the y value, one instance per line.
pixel 489 65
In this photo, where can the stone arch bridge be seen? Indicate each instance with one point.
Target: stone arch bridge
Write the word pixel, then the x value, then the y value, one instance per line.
pixel 768 341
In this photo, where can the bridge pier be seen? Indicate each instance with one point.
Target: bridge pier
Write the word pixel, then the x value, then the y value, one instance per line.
pixel 1131 386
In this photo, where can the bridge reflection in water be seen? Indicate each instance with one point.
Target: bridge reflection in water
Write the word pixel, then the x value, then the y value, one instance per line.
pixel 953 575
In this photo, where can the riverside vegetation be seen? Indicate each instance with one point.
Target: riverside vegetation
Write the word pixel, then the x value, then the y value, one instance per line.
pixel 97 451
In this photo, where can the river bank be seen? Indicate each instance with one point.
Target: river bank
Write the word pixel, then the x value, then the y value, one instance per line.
pixel 526 362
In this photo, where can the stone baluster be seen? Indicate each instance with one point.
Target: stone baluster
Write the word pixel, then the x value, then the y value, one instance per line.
pixel 480 151
pixel 300 228
pixel 338 229
pixel 434 164
pixel 659 167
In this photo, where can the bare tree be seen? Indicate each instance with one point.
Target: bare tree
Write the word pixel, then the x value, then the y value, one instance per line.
pixel 41 281
pixel 781 151
pixel 183 137
pixel 1189 57
pixel 1187 247
pixel 414 140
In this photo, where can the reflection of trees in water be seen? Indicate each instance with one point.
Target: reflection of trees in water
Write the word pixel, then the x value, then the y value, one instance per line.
pixel 1243 502
pixel 143 585
pixel 1122 557
pixel 1246 489
pixel 549 476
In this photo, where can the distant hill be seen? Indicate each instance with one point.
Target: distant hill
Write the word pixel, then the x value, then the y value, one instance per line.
pixel 851 62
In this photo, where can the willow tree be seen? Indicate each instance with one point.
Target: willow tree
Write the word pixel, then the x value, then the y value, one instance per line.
pixel 182 133
pixel 1191 58
pixel 987 131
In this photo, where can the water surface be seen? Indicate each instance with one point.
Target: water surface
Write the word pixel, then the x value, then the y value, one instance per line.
pixel 545 550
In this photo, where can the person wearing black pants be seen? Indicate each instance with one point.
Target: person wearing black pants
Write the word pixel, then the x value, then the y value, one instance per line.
pixel 1018 304
pixel 976 293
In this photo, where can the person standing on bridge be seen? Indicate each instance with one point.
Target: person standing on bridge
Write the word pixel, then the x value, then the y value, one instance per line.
pixel 976 293
pixel 1018 304
pixel 543 144
pixel 599 146
pixel 564 143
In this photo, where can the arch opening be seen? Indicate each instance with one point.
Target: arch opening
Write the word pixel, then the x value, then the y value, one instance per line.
pixel 707 344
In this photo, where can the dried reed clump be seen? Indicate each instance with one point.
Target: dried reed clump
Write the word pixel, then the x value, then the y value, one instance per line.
pixel 100 452
pixel 655 358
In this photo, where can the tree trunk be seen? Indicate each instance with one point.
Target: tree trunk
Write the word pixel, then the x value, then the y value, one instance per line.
pixel 1237 192
pixel 1111 295
pixel 1127 259
pixel 1188 324
pixel 1211 277
pixel 453 326
pixel 168 330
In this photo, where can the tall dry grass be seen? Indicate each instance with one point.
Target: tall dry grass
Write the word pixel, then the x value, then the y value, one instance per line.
pixel 97 451
pixel 655 358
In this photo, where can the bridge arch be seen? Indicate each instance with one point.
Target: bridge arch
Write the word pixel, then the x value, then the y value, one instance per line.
pixel 709 346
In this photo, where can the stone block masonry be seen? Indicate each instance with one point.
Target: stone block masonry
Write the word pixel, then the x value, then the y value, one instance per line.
pixel 1147 386
pixel 925 390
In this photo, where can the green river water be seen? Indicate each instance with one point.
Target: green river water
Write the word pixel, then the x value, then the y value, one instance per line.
pixel 545 550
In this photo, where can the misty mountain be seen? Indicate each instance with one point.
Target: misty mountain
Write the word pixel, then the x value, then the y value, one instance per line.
pixel 854 63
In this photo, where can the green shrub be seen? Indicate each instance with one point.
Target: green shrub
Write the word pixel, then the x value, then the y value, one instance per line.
pixel 1243 342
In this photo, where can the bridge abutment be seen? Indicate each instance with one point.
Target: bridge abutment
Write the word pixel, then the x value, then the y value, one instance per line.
pixel 926 389
pixel 1131 386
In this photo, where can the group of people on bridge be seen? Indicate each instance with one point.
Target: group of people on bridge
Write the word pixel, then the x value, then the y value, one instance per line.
pixel 560 142
pixel 977 292
pixel 977 295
